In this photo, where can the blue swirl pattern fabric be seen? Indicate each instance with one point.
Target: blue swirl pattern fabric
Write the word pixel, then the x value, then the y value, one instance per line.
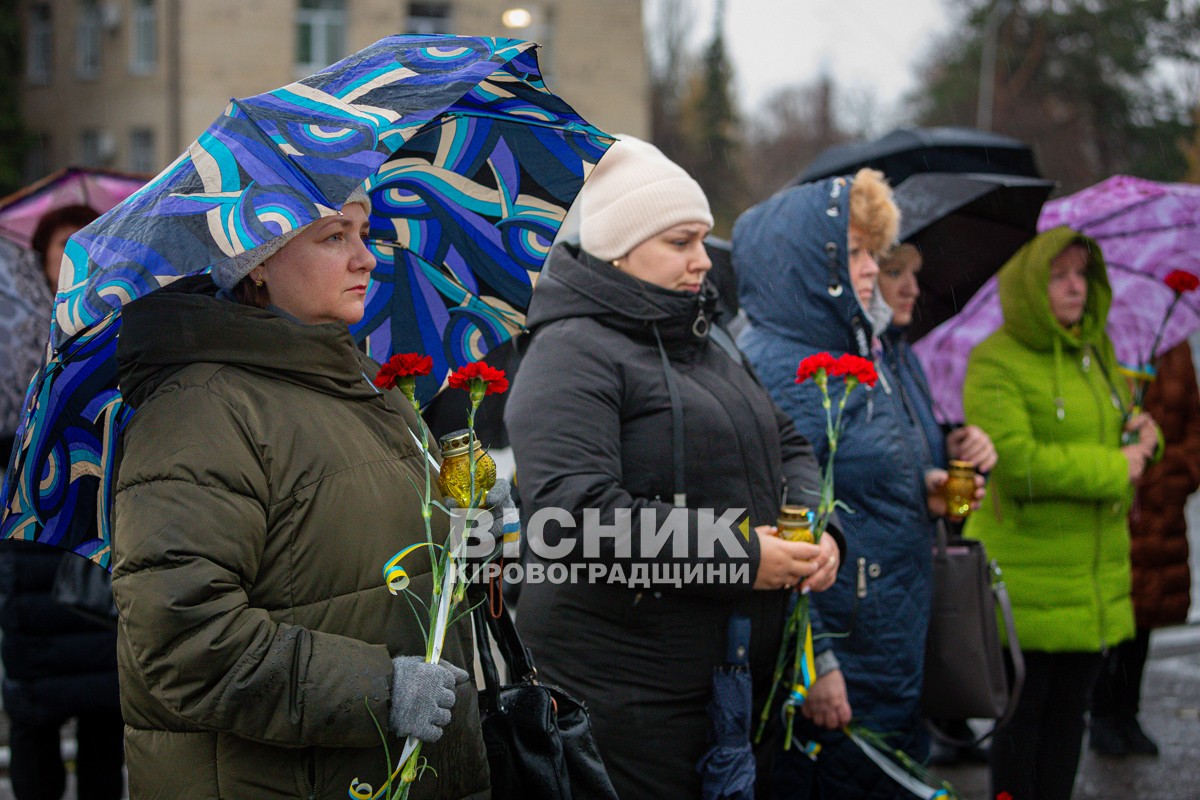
pixel 471 164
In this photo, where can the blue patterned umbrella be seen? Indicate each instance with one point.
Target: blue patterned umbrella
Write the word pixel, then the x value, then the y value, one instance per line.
pixel 471 164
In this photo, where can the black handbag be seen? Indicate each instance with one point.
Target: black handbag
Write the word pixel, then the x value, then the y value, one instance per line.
pixel 86 588
pixel 965 672
pixel 538 737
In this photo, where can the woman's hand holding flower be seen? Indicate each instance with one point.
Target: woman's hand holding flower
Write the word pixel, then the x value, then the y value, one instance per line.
pixel 1147 431
pixel 828 705
pixel 1139 453
pixel 827 567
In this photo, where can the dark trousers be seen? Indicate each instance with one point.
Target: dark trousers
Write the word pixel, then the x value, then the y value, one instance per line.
pixel 842 770
pixel 37 770
pixel 1036 755
pixel 1118 690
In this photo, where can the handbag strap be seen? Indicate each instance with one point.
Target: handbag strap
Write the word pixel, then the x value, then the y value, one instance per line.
pixel 1014 648
pixel 483 646
pixel 517 657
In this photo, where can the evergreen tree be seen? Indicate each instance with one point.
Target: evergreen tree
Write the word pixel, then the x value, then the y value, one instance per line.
pixel 1078 79
pixel 711 149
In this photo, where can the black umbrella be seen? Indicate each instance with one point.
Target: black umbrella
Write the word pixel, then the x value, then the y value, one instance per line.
pixel 966 227
pixel 908 151
pixel 720 253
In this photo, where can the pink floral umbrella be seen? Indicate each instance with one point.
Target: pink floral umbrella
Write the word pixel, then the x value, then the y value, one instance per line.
pixel 1145 230
pixel 25 302
pixel 99 188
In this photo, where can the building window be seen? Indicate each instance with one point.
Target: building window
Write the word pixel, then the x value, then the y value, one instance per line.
pixel 320 34
pixel 87 39
pixel 37 158
pixel 429 18
pixel 144 37
pixel 96 148
pixel 141 151
pixel 39 56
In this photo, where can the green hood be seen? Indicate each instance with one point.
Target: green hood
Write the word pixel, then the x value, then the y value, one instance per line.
pixel 1024 283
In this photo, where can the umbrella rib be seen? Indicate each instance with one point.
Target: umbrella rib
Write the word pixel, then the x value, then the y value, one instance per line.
pixel 302 176
pixel 533 123
pixel 1144 231
pixel 1117 213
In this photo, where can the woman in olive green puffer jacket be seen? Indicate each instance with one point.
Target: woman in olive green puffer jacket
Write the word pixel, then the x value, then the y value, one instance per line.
pixel 264 482
pixel 1046 389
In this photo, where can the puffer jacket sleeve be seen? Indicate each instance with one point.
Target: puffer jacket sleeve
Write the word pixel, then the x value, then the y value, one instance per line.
pixel 564 421
pixel 190 514
pixel 1030 467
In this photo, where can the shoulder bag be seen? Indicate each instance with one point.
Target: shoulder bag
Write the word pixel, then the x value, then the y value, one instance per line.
pixel 965 672
pixel 539 738
pixel 86 588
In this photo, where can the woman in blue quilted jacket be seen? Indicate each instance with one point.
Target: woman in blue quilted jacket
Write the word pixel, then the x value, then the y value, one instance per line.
pixel 805 261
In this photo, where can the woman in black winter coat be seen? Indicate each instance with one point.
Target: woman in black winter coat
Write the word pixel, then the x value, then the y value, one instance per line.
pixel 635 415
pixel 58 664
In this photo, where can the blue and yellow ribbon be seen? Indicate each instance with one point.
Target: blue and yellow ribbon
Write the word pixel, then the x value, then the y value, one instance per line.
pixel 806 672
pixel 394 574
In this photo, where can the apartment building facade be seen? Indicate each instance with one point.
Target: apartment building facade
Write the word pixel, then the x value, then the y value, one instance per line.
pixel 128 84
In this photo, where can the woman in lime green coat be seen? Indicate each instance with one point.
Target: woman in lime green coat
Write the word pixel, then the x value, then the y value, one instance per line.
pixel 1045 386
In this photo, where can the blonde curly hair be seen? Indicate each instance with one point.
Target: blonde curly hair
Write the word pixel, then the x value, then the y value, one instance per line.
pixel 873 211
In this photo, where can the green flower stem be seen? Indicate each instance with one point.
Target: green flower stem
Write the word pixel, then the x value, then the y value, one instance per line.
pixel 780 660
pixel 1150 359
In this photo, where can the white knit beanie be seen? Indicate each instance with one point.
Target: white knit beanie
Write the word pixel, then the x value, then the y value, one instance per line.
pixel 634 193
pixel 227 273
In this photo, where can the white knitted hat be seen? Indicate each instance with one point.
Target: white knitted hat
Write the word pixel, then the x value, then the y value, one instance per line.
pixel 227 273
pixel 634 193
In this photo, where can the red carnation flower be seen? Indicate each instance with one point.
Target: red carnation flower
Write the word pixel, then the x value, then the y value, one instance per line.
pixel 403 365
pixel 812 364
pixel 478 374
pixel 1181 281
pixel 861 369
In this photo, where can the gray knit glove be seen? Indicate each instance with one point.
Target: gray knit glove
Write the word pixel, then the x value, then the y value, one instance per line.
pixel 422 696
pixel 506 520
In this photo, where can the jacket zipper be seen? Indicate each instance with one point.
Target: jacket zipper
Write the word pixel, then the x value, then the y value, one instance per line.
pixel 310 759
pixel 861 590
pixel 1097 523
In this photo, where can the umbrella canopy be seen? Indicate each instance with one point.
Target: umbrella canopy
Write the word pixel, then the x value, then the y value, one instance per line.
pixel 720 253
pixel 471 164
pixel 25 301
pixel 907 151
pixel 727 770
pixel 24 325
pixel 1145 230
pixel 99 188
pixel 966 226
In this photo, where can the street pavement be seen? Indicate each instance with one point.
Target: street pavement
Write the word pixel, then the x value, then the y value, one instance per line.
pixel 1170 715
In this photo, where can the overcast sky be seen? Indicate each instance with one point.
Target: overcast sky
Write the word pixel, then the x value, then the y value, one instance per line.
pixel 870 45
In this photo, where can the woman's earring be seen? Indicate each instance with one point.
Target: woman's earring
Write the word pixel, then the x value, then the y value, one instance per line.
pixel 616 262
pixel 258 281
